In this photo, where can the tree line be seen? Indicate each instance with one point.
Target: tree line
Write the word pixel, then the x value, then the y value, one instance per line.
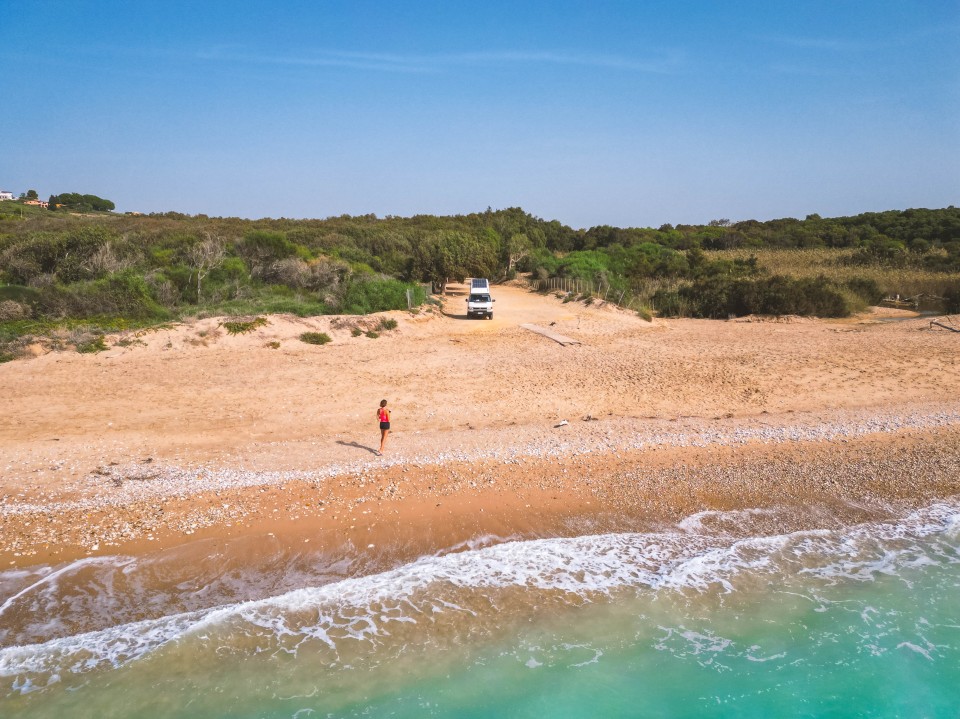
pixel 72 202
pixel 62 265
pixel 75 202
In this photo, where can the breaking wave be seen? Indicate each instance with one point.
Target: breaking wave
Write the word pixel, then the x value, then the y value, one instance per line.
pixel 451 597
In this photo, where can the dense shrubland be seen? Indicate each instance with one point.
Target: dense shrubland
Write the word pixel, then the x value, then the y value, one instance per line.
pixel 61 269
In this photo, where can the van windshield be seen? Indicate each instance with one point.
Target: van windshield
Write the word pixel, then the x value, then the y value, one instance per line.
pixel 479 298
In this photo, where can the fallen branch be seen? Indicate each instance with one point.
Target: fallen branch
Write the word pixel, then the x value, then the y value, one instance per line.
pixel 946 327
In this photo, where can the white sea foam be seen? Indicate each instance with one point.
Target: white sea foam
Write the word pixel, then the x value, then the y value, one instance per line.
pixel 711 519
pixel 469 585
pixel 924 652
pixel 49 577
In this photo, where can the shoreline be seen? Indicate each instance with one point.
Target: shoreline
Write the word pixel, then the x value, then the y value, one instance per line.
pixel 192 433
pixel 532 481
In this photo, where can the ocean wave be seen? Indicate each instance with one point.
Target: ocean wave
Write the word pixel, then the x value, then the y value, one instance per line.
pixel 436 596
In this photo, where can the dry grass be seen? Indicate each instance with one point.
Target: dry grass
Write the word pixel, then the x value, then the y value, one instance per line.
pixel 795 263
pixel 831 263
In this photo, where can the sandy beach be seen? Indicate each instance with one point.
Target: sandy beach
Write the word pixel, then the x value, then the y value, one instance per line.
pixel 188 432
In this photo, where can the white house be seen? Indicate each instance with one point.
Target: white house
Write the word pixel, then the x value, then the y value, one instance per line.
pixel 6 195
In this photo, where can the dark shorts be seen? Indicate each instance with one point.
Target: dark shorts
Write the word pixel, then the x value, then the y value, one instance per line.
pixel 384 425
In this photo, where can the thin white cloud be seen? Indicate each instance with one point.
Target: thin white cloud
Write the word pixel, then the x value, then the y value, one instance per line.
pixel 781 68
pixel 837 44
pixel 356 61
pixel 666 63
pixel 825 43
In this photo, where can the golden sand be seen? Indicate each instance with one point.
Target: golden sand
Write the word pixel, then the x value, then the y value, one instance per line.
pixel 188 432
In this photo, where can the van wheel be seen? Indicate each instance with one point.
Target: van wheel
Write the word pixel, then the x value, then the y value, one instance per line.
pixel 490 316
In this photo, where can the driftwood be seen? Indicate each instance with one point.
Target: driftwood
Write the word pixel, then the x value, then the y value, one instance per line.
pixel 897 301
pixel 562 339
pixel 946 327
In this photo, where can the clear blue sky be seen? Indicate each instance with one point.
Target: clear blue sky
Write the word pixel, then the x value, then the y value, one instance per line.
pixel 621 113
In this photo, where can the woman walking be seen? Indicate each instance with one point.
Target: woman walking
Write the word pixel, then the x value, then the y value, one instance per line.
pixel 383 414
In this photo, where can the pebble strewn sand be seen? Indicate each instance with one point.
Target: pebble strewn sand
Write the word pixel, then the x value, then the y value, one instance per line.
pixel 626 467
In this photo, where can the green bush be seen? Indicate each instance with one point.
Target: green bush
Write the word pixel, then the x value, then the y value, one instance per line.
pixel 584 265
pixel 240 327
pixel 315 338
pixel 866 288
pixel 36 254
pixel 668 303
pixel 232 268
pixel 70 256
pixel 541 262
pixel 77 262
pixel 373 335
pixel 267 302
pixel 24 295
pixel 952 300
pixel 124 294
pixel 387 324
pixel 259 248
pixel 91 345
pixel 722 297
pixel 184 280
pixel 379 295
pixel 163 256
pixel 948 260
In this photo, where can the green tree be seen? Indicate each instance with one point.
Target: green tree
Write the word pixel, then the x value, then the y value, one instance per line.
pixel 450 254
pixel 85 203
pixel 519 246
pixel 435 259
pixel 99 204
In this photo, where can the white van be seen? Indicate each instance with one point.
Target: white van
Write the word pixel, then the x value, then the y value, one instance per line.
pixel 479 302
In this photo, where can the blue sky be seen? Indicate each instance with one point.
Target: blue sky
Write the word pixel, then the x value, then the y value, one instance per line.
pixel 621 113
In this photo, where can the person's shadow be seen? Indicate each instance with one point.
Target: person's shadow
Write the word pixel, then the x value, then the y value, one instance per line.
pixel 371 450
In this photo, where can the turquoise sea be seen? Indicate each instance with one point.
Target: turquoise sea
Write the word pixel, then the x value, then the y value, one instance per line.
pixel 721 615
